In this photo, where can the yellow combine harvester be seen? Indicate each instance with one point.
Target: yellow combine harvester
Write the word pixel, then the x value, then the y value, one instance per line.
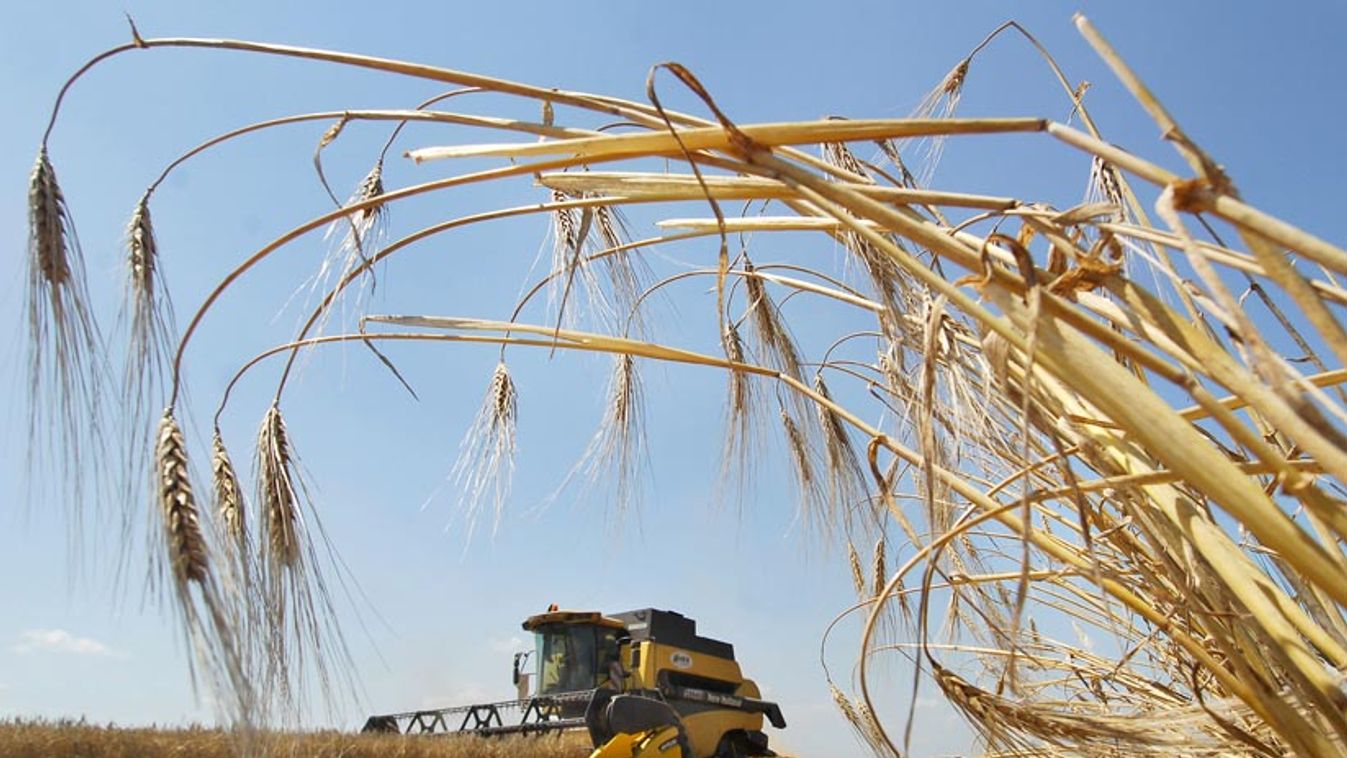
pixel 643 683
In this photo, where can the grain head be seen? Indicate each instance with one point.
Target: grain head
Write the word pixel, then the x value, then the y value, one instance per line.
pixel 566 230
pixel 839 155
pixel 147 314
pixel 485 462
pixel 879 575
pixel 572 275
pixel 801 454
pixel 775 344
pixel 65 360
pixel 941 102
pixel 185 542
pixel 741 412
pixel 229 506
pixel 617 452
pixel 49 230
pixel 277 497
pixel 359 234
pixel 627 271
pixel 857 572
pixel 846 476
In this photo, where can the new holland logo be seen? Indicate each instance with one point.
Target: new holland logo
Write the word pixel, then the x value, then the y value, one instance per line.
pixel 681 660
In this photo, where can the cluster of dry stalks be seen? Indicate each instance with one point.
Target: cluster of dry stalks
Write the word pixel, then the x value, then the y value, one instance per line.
pixel 1060 444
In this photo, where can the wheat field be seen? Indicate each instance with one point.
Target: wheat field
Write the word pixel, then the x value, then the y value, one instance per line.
pixel 40 739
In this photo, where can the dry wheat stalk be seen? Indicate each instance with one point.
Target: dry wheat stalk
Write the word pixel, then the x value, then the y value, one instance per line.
pixel 1100 733
pixel 1163 477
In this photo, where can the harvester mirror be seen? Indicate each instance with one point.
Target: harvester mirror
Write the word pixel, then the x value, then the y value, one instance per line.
pixel 518 659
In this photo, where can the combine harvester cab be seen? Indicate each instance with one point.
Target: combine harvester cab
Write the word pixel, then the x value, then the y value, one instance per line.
pixel 642 682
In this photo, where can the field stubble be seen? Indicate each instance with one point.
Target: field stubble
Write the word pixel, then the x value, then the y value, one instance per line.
pixel 25 739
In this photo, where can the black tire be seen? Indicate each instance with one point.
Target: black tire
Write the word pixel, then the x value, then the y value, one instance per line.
pixel 741 744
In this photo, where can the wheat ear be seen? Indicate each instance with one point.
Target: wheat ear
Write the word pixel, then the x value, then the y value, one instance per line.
pixel 485 462
pixel 64 346
pixel 184 539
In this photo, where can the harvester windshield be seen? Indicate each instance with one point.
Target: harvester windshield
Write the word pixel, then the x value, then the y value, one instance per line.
pixel 573 656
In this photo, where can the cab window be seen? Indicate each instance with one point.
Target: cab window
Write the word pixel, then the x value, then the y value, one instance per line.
pixel 567 658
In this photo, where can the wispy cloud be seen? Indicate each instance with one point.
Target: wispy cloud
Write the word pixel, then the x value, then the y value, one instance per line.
pixel 58 641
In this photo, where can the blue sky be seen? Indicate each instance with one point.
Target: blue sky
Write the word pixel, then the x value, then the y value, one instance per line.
pixel 1258 86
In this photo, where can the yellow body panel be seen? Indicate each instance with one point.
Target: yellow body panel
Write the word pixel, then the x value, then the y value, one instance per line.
pixel 704 728
pixel 656 743
pixel 656 657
